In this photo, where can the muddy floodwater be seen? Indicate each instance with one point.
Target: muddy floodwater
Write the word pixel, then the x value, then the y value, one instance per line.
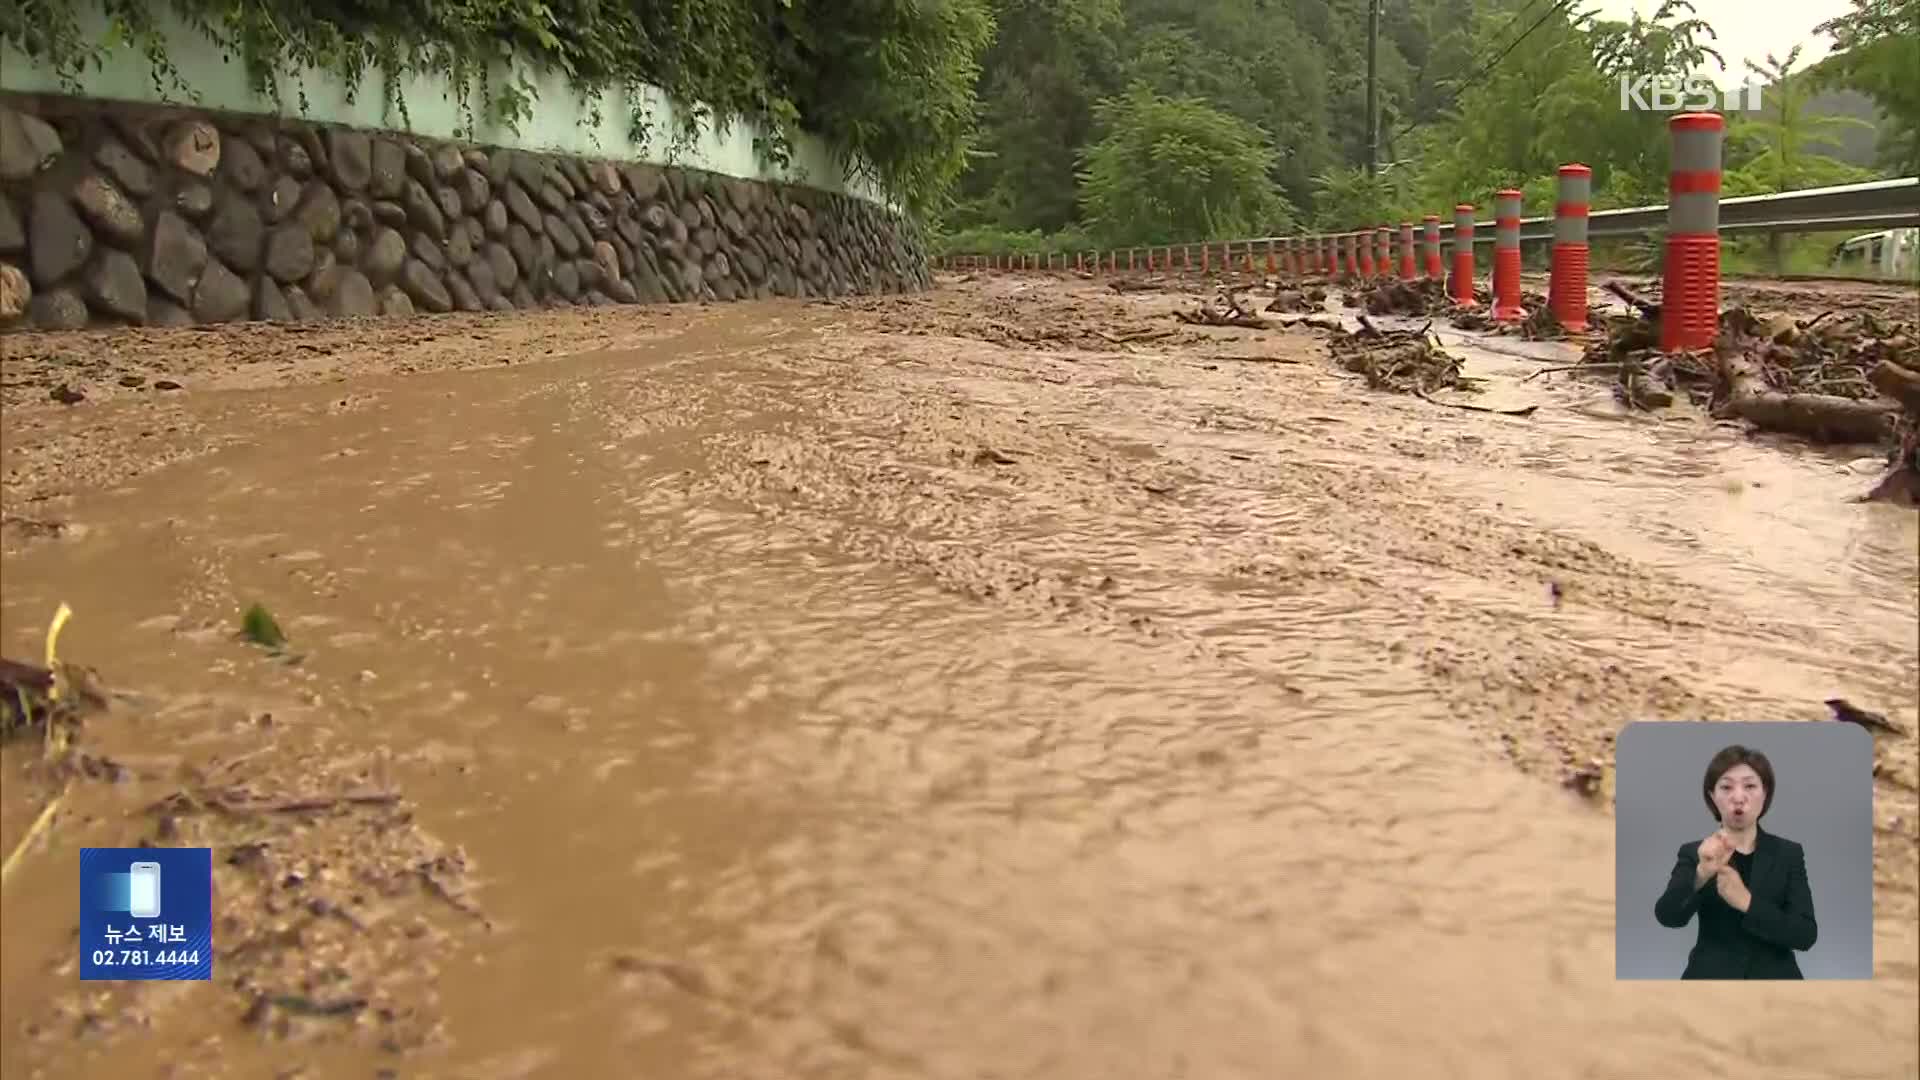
pixel 1008 681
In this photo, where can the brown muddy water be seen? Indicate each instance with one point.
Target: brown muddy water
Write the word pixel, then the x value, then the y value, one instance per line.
pixel 920 687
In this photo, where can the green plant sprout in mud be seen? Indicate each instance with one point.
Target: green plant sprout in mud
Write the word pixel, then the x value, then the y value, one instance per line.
pixel 259 627
pixel 50 700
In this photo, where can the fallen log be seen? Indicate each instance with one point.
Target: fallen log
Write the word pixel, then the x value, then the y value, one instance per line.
pixel 1821 418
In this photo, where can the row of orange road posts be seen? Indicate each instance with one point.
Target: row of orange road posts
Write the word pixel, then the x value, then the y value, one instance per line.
pixel 1690 297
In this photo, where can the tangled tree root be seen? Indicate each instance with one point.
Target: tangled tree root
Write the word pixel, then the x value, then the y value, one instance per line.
pixel 1406 361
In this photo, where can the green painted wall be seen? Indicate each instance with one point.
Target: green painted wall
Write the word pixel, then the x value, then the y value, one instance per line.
pixel 561 123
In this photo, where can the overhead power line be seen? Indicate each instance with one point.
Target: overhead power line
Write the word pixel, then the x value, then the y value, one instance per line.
pixel 1473 80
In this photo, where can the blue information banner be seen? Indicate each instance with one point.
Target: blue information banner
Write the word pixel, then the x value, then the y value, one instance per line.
pixel 146 913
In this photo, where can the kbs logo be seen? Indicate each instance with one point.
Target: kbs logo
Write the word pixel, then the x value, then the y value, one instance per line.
pixel 1689 93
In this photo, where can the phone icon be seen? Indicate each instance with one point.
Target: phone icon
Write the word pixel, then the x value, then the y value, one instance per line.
pixel 143 890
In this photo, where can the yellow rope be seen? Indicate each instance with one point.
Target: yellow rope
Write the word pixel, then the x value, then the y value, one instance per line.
pixel 33 832
pixel 53 745
pixel 60 618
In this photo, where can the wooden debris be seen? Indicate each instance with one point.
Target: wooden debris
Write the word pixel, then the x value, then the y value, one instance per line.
pixel 1298 301
pixel 1647 309
pixel 1228 308
pixel 1846 712
pixel 1848 379
pixel 1391 296
pixel 1407 361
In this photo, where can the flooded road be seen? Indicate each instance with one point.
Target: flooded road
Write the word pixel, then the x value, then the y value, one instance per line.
pixel 934 687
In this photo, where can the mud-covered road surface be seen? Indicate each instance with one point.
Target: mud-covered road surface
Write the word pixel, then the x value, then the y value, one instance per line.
pixel 1006 681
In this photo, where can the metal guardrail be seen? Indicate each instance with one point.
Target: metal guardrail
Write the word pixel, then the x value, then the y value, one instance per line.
pixel 1877 204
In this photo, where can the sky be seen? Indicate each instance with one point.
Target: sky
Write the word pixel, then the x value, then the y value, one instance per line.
pixel 1749 29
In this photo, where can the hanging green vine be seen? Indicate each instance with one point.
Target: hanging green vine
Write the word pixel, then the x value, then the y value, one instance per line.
pixel 887 83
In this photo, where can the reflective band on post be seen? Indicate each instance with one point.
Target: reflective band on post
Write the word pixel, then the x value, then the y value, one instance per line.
pixel 1690 286
pixel 1462 291
pixel 1430 241
pixel 1567 288
pixel 1506 257
pixel 1409 268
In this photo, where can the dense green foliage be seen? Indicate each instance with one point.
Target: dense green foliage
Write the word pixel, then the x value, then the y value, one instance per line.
pixel 1033 124
pixel 1174 168
pixel 1879 55
pixel 1462 115
pixel 888 83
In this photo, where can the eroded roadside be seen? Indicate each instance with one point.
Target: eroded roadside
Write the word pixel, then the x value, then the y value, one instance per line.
pixel 767 683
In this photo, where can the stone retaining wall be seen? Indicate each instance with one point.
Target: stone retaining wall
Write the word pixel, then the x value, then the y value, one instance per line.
pixel 115 214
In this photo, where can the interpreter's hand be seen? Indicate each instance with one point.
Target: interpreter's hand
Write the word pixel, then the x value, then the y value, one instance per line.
pixel 1714 853
pixel 1732 889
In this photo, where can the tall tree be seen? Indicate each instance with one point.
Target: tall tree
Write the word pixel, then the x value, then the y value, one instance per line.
pixel 1176 168
pixel 1878 54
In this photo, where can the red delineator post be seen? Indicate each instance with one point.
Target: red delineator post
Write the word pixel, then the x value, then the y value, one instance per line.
pixel 1273 259
pixel 1408 268
pixel 1383 250
pixel 1430 240
pixel 1328 255
pixel 1463 256
pixel 1506 257
pixel 1364 241
pixel 1567 289
pixel 1690 286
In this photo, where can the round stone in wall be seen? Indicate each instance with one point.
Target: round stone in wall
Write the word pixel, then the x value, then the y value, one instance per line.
pixel 193 146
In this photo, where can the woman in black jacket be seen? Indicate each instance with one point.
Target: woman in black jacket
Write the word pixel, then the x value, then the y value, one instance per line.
pixel 1748 886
